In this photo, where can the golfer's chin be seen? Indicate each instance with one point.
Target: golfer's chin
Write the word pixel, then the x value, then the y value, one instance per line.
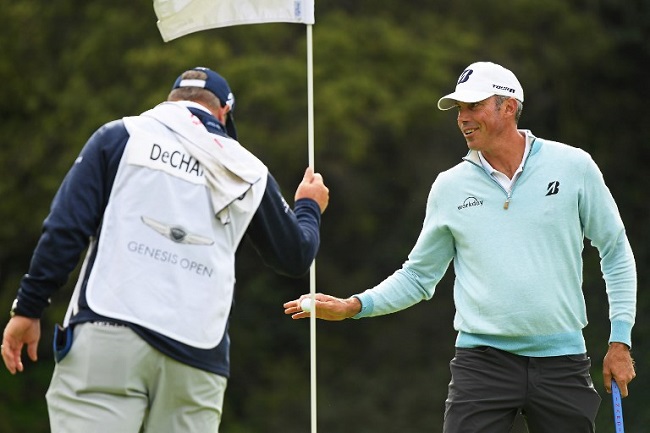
pixel 472 144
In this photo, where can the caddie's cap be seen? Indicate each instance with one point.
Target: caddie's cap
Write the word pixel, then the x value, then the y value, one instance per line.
pixel 218 85
pixel 481 80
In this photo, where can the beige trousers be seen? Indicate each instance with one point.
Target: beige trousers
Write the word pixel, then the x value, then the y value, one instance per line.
pixel 112 381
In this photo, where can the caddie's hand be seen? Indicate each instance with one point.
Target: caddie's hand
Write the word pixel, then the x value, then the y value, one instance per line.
pixel 312 187
pixel 327 307
pixel 20 331
pixel 618 365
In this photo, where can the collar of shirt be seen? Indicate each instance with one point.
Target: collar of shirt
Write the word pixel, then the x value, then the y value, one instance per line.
pixel 506 182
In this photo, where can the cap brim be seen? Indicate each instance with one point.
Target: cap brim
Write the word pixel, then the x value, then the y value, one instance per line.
pixel 449 101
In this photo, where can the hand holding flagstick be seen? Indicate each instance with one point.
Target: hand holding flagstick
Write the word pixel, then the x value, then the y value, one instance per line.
pixel 312 187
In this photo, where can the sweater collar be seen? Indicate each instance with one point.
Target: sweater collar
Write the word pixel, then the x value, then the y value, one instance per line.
pixel 473 155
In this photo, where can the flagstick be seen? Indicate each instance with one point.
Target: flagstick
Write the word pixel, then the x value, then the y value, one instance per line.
pixel 312 270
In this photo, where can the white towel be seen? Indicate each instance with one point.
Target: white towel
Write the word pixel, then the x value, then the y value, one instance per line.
pixel 230 169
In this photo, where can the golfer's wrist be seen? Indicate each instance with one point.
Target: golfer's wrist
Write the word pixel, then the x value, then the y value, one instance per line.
pixel 353 306
pixel 361 305
pixel 619 345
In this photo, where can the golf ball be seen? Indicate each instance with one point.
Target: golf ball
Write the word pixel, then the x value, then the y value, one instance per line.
pixel 305 304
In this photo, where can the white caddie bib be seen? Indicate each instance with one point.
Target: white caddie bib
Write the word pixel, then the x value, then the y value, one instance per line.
pixel 164 261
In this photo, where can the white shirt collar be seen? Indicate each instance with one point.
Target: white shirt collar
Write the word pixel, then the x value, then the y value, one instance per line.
pixel 502 178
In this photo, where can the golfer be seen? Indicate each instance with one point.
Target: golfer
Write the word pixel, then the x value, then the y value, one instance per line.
pixel 512 217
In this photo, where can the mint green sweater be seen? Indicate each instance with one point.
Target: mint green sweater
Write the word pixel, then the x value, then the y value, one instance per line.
pixel 518 284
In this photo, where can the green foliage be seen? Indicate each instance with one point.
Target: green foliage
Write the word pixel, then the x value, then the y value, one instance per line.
pixel 379 68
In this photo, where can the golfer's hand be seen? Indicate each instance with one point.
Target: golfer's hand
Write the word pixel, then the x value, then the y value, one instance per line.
pixel 312 187
pixel 618 365
pixel 327 307
pixel 18 332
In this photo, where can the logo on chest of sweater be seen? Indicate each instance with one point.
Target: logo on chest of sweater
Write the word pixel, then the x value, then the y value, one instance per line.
pixel 470 202
pixel 553 188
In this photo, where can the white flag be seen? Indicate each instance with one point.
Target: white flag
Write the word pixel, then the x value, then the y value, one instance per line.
pixel 179 17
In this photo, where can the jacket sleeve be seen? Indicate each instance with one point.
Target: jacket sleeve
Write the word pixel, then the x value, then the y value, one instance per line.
pixel 75 216
pixel 286 239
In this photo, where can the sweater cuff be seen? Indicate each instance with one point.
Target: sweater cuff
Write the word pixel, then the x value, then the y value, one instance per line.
pixel 621 332
pixel 367 305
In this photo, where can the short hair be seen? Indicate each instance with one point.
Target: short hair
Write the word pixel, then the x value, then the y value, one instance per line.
pixel 196 94
pixel 499 100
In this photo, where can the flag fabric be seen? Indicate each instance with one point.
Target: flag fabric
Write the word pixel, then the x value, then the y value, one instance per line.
pixel 177 18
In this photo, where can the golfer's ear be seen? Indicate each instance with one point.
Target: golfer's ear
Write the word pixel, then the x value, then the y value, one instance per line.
pixel 510 106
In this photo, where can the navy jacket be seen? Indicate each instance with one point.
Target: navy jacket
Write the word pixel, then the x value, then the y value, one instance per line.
pixel 287 240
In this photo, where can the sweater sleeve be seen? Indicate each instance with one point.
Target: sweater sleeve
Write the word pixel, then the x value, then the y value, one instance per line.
pixel 286 239
pixel 416 280
pixel 604 228
pixel 75 215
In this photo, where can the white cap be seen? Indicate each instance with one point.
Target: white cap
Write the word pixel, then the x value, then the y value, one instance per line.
pixel 481 80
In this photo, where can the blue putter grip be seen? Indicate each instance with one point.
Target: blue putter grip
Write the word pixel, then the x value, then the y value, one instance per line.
pixel 618 408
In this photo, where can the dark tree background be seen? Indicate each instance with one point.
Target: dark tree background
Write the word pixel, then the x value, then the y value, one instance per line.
pixel 67 67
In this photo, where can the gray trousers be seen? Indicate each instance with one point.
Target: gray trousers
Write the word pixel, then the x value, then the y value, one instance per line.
pixel 489 387
pixel 112 381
